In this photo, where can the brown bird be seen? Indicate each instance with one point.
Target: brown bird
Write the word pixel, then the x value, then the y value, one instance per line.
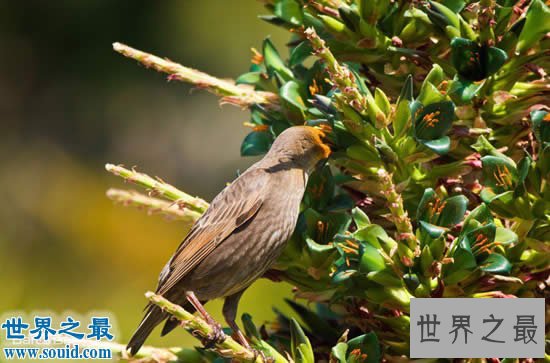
pixel 240 235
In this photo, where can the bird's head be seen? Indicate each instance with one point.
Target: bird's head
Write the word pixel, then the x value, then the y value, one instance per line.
pixel 302 146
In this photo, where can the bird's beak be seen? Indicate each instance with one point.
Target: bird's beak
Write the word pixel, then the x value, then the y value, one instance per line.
pixel 320 165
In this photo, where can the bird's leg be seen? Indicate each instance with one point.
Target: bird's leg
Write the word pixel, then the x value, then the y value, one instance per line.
pixel 217 336
pixel 230 313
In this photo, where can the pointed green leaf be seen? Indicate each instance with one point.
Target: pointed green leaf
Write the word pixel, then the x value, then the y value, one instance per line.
pixel 317 324
pixel 273 61
pixel 537 24
pixel 249 78
pixel 300 345
pixel 360 218
pixel 256 143
pixel 349 16
pixel 434 120
pixel 440 146
pixel 292 101
pixel 463 90
pixel 453 211
pixel 466 58
pixel 505 236
pixel 499 173
pixel 385 278
pixel 382 101
pixel 370 259
pixel 442 15
pixel 463 265
pixel 541 125
pixel 495 58
pixel 369 347
pixel 474 62
pixel 300 53
pixel 338 352
pixel 289 10
pixel 432 230
pixel 497 264
pixel 423 210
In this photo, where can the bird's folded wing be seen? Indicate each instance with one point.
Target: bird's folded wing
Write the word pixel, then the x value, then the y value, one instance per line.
pixel 235 205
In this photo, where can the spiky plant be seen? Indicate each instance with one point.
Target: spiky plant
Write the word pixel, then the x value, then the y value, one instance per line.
pixel 438 186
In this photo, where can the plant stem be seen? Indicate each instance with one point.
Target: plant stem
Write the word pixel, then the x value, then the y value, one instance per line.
pixel 340 75
pixel 400 217
pixel 158 187
pixel 240 95
pixel 228 348
pixel 152 205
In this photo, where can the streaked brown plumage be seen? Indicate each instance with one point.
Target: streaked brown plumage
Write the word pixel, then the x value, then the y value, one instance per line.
pixel 241 234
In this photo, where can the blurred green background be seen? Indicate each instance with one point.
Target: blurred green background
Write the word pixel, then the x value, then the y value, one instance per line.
pixel 69 104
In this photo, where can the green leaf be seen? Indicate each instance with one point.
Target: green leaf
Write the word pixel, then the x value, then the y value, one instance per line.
pixel 423 210
pixel 369 347
pixel 317 324
pixel 249 78
pixel 338 352
pixel 494 59
pixel 382 101
pixel 499 173
pixel 509 205
pixel 360 218
pixel 480 215
pixel 440 146
pixel 497 264
pixel 256 143
pixel 523 169
pixel 385 278
pixel 541 125
pixel 474 62
pixel 370 259
pixel 300 53
pixel 505 236
pixel 431 123
pixel 426 261
pixel 442 16
pixel 463 265
pixel 350 17
pixel 455 5
pixel 432 230
pixel 463 90
pixel 407 90
pixel 274 63
pixel 537 24
pixel 301 349
pixel 453 211
pixel 429 94
pixel 292 101
pixel 320 189
pixel 289 10
pixel 371 234
pixel 435 76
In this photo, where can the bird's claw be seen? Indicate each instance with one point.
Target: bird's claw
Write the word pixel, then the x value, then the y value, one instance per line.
pixel 217 336
pixel 259 353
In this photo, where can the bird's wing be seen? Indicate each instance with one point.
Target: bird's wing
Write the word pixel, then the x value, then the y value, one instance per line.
pixel 235 205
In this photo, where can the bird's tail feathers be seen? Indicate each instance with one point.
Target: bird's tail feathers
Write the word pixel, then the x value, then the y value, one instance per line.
pixel 153 317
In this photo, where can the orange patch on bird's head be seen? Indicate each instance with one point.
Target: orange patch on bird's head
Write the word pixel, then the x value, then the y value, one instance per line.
pixel 319 134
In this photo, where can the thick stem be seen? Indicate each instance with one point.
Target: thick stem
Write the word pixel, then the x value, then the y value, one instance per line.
pixel 153 205
pixel 340 75
pixel 157 187
pixel 400 217
pixel 240 95
pixel 228 348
